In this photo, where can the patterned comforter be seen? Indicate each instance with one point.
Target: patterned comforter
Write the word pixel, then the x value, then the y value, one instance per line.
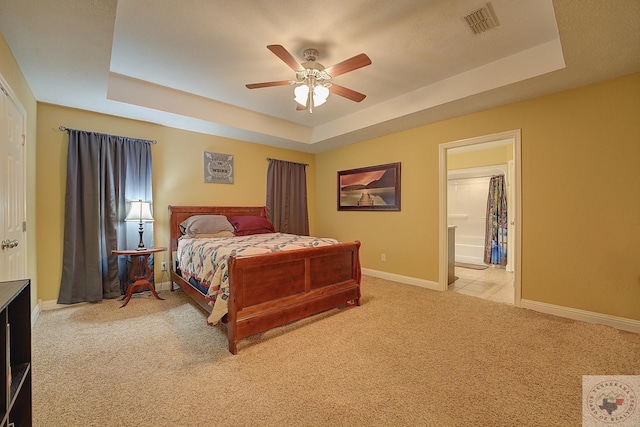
pixel 205 260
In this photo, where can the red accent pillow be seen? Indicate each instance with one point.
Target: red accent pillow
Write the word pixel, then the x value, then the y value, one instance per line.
pixel 246 225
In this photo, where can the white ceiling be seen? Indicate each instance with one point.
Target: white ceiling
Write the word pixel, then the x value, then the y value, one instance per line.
pixel 185 64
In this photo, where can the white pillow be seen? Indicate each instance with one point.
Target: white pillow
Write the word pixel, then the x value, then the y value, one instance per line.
pixel 205 224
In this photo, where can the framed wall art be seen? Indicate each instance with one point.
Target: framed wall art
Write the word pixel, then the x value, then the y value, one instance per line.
pixel 218 168
pixel 374 188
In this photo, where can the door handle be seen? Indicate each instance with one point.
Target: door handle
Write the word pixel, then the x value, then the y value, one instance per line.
pixel 8 244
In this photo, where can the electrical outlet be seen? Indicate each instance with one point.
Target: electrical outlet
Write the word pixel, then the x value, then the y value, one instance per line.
pixel 383 257
pixel 163 266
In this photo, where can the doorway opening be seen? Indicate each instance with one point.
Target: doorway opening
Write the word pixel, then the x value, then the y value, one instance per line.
pixel 466 167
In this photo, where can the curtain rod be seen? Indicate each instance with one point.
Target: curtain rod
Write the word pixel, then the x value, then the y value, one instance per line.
pixel 477 176
pixel 306 164
pixel 151 141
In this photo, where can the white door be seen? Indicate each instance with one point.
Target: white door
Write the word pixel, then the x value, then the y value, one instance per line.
pixel 511 215
pixel 12 188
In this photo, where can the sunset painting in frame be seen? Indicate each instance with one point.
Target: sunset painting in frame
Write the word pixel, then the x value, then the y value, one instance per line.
pixel 373 188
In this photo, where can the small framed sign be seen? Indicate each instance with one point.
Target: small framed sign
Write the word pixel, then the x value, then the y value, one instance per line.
pixel 218 168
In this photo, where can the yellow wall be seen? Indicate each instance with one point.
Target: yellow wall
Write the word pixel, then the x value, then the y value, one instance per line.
pixel 13 75
pixel 580 196
pixel 580 192
pixel 177 177
pixel 404 236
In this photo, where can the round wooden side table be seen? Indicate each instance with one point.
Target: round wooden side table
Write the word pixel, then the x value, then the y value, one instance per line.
pixel 141 272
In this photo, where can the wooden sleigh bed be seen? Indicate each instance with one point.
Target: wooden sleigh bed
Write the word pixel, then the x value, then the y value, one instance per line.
pixel 270 290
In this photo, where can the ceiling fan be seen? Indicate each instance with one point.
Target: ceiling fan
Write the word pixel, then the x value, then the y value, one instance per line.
pixel 313 81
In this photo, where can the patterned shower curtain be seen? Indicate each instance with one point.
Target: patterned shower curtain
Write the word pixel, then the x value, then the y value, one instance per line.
pixel 495 240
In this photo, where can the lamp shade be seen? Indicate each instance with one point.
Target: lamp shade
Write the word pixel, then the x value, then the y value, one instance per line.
pixel 139 211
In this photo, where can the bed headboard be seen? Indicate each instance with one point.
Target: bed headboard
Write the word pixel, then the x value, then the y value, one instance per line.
pixel 177 214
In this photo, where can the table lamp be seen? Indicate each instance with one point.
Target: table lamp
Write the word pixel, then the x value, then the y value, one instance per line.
pixel 140 211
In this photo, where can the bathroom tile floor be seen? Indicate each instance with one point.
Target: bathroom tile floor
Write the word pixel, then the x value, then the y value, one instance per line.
pixel 493 283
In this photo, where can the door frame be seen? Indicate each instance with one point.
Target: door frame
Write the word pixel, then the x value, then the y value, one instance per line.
pixel 515 135
pixel 13 98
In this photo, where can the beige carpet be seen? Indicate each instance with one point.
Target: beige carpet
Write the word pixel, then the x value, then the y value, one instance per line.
pixel 407 357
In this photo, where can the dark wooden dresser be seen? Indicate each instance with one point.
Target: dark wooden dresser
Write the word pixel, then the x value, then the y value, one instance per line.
pixel 15 336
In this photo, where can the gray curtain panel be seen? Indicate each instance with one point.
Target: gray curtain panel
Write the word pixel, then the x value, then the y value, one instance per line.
pixel 104 173
pixel 287 197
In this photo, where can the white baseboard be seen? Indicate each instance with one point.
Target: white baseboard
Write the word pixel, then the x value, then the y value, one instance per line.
pixel 164 286
pixel 621 323
pixel 35 313
pixel 53 304
pixel 435 286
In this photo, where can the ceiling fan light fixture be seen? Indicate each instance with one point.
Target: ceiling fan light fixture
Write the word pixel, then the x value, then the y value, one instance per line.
pixel 301 93
pixel 320 95
pixel 313 80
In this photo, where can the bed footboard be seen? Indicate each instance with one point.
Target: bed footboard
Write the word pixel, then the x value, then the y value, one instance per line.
pixel 271 290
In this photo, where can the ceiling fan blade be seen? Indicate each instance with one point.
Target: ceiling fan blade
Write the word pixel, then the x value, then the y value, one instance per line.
pixel 285 56
pixel 347 93
pixel 347 65
pixel 268 84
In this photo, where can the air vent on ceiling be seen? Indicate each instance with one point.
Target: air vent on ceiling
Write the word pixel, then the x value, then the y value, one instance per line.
pixel 480 20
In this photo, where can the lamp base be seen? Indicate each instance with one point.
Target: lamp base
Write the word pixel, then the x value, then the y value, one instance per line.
pixel 141 244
